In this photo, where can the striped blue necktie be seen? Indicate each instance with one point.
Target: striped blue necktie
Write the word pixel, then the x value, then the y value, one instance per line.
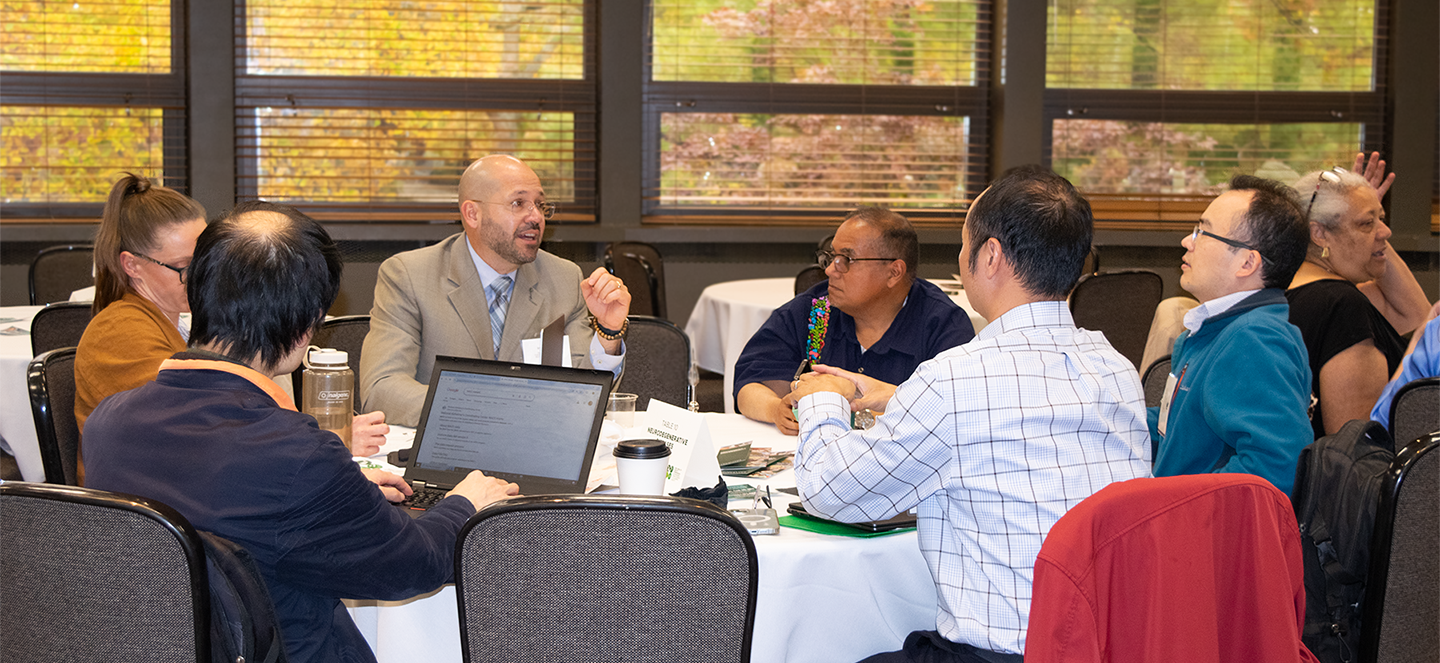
pixel 498 292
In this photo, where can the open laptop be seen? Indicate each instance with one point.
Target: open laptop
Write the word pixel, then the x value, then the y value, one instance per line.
pixel 536 426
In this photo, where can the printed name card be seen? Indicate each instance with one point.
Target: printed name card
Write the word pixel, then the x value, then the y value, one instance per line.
pixel 692 453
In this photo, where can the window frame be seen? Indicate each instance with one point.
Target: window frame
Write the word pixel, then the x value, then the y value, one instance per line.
pixel 1169 212
pixel 660 97
pixel 578 96
pixel 167 91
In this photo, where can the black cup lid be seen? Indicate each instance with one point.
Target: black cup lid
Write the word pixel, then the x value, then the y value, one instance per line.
pixel 642 449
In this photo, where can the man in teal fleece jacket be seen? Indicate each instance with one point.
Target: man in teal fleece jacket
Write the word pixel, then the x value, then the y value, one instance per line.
pixel 1239 383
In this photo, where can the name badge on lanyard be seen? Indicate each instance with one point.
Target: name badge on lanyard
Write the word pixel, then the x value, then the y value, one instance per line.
pixel 1172 387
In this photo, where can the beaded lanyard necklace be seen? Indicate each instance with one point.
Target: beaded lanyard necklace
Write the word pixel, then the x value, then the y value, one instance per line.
pixel 819 323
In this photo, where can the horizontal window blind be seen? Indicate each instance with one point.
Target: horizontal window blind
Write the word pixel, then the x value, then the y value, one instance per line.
pixel 371 111
pixel 889 42
pixel 115 36
pixel 1211 44
pixel 459 39
pixel 758 109
pixel 827 161
pixel 1105 156
pixel 73 155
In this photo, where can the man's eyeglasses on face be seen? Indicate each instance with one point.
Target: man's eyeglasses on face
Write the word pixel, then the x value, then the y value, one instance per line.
pixel 178 270
pixel 523 207
pixel 842 261
pixel 1195 237
pixel 1332 176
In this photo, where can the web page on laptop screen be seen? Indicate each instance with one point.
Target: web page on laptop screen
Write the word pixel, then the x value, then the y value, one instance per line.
pixel 508 424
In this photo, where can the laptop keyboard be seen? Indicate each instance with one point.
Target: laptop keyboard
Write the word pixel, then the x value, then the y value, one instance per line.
pixel 423 498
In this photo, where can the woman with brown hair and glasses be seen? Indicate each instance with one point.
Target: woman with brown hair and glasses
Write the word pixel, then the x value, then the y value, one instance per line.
pixel 142 249
pixel 1353 297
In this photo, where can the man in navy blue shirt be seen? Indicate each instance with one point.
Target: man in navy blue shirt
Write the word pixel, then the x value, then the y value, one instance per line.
pixel 216 439
pixel 872 316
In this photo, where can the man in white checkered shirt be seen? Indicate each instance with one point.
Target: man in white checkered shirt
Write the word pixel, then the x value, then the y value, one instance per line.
pixel 993 440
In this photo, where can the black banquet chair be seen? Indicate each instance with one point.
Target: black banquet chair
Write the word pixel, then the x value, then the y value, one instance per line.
pixel 657 362
pixel 1153 380
pixel 1120 305
pixel 1400 619
pixel 605 579
pixel 640 266
pixel 50 380
pixel 87 575
pixel 345 333
pixel 1415 410
pixel 59 325
pixel 58 271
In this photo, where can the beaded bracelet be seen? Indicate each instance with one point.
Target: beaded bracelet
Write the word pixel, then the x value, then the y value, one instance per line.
pixel 609 334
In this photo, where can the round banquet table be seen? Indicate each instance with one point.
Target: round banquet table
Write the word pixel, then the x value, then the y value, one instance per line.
pixel 17 425
pixel 821 598
pixel 729 313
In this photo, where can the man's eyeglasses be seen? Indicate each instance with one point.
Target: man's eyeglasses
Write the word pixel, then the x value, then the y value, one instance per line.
pixel 181 271
pixel 1333 176
pixel 842 261
pixel 1195 236
pixel 523 207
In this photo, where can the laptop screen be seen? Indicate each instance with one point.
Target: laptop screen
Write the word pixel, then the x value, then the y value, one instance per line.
pixel 508 424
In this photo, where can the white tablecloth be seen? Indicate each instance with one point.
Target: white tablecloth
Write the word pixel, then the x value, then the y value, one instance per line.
pixel 728 314
pixel 821 598
pixel 17 426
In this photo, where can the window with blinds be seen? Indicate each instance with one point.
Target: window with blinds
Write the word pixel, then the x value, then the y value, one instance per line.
pixel 91 90
pixel 371 110
pixel 1155 104
pixel 762 110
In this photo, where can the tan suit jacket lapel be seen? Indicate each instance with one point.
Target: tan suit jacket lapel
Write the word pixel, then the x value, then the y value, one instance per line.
pixel 525 304
pixel 467 295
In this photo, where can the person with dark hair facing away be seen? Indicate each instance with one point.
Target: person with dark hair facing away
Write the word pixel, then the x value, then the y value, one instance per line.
pixel 991 441
pixel 871 315
pixel 213 437
pixel 1239 381
pixel 142 249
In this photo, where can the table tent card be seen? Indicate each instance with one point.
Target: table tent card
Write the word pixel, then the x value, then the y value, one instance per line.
pixel 692 453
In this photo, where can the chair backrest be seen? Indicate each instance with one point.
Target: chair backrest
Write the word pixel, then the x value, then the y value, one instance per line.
pixel 606 579
pixel 1415 411
pixel 1153 381
pixel 657 362
pixel 640 266
pixel 1402 595
pixel 59 325
pixel 51 382
pixel 808 277
pixel 1198 568
pixel 87 575
pixel 1121 305
pixel 58 271
pixel 343 333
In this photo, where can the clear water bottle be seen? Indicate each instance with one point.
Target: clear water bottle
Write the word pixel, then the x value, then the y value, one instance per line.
pixel 330 390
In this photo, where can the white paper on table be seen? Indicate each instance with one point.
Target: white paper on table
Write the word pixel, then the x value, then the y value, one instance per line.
pixel 530 349
pixel 692 453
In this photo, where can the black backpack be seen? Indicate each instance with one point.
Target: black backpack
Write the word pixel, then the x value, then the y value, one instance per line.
pixel 243 627
pixel 1337 489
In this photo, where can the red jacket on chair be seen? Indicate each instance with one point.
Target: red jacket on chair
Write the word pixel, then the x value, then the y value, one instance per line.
pixel 1188 568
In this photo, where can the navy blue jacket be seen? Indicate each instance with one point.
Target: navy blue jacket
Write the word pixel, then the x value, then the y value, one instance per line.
pixel 225 447
pixel 928 324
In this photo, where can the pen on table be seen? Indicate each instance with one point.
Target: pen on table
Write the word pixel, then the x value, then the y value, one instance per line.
pixel 768 503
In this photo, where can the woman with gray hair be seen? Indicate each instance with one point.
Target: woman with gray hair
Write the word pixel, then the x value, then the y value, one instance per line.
pixel 1353 298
